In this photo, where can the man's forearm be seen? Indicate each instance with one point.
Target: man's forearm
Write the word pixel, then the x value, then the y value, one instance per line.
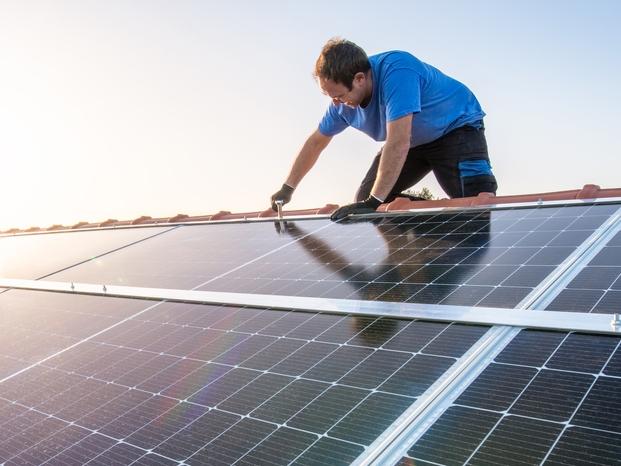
pixel 391 163
pixel 306 158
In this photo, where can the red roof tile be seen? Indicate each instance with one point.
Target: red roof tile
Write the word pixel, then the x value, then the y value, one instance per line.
pixel 589 191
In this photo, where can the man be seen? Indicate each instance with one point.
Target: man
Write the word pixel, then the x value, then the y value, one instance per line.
pixel 430 122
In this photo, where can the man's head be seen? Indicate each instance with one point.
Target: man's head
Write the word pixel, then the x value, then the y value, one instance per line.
pixel 343 72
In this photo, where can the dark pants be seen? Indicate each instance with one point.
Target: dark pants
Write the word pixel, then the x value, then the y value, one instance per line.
pixel 442 156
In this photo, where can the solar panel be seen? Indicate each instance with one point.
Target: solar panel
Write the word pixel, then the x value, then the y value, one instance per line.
pixel 479 258
pixel 213 385
pixel 548 397
pixel 184 258
pixel 104 380
pixel 36 255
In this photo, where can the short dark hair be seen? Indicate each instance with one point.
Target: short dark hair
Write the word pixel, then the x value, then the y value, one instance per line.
pixel 340 60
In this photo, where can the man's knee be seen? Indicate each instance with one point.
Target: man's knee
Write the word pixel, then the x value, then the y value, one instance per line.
pixel 476 177
pixel 474 185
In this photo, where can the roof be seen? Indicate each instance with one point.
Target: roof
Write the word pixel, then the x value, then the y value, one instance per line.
pixel 588 191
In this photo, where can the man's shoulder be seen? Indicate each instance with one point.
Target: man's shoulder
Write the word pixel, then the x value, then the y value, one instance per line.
pixel 393 57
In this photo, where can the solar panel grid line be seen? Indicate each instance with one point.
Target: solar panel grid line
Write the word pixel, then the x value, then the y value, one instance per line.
pixel 75 344
pixel 387 449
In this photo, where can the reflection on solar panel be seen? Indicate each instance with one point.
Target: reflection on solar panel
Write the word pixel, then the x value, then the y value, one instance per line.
pixel 103 380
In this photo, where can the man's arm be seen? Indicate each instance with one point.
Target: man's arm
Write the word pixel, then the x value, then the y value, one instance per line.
pixel 394 153
pixel 303 162
pixel 393 157
pixel 307 157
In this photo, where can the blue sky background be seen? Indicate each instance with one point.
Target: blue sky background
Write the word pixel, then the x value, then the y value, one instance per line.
pixel 122 108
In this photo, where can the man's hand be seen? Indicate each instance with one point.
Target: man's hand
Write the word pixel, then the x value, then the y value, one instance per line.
pixel 284 195
pixel 365 207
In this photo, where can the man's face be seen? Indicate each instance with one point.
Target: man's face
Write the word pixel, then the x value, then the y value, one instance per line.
pixel 340 94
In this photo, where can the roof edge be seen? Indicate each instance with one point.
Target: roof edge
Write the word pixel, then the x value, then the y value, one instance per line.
pixel 588 191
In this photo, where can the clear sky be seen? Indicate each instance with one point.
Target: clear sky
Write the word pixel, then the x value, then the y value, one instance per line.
pixel 122 108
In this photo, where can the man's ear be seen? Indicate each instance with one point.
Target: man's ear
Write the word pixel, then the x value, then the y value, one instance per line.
pixel 359 77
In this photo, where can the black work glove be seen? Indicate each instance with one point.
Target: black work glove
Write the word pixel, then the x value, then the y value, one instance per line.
pixel 284 195
pixel 365 207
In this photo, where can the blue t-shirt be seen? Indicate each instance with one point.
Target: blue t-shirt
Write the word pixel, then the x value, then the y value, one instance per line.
pixel 402 84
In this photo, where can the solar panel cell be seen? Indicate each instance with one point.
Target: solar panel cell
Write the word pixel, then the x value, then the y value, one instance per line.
pixel 192 438
pixel 609 304
pixel 223 387
pixel 329 452
pixel 455 340
pixel 233 443
pixel 553 395
pixel 497 387
pixel 119 454
pixel 255 393
pixel 273 354
pixel 531 348
pixel 379 332
pixel 280 448
pixel 304 359
pixel 517 441
pixel 368 420
pixel 575 300
pixel 583 353
pixel 52 446
pixel 289 401
pixel 343 360
pixel 85 450
pixel 583 447
pixel 170 422
pixel 417 375
pixel 508 297
pixel 194 382
pixel 528 276
pixel 601 408
pixel 325 411
pixel 375 369
pixel 453 438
